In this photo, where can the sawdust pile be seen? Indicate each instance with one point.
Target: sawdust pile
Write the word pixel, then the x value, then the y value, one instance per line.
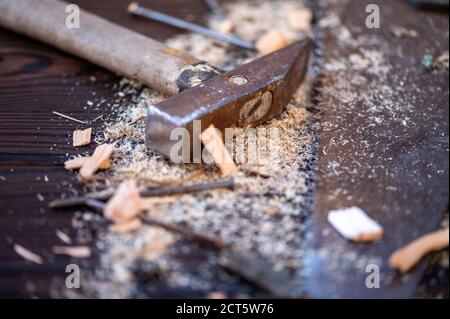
pixel 265 214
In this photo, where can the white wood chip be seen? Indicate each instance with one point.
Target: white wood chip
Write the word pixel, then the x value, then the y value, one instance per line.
pixel 405 258
pixel 28 255
pixel 73 251
pixel 63 236
pixel 354 224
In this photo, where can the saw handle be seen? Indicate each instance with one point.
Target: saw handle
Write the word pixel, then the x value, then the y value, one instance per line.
pixel 104 43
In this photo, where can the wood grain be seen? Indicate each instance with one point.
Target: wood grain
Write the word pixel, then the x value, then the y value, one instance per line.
pixel 99 41
pixel 35 80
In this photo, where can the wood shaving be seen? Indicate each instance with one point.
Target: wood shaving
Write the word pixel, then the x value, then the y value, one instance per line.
pixel 82 138
pixel 78 162
pixel 212 140
pixel 75 163
pixel 126 203
pixel 73 251
pixel 63 237
pixel 405 258
pixel 101 154
pixel 272 41
pixel 28 255
pixel 69 117
pixel 354 224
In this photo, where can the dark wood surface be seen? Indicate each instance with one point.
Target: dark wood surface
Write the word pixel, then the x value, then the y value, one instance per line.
pixel 35 80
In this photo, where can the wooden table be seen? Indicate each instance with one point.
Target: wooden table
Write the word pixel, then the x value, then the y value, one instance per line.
pixel 35 80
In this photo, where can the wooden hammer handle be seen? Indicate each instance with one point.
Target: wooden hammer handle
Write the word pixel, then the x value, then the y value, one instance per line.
pixel 101 42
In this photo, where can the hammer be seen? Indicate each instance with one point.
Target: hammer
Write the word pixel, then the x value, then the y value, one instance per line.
pixel 246 96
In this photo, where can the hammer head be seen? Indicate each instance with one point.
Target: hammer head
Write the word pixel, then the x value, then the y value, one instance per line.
pixel 249 95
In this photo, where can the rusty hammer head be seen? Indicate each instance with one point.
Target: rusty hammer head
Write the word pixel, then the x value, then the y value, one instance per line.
pixel 249 95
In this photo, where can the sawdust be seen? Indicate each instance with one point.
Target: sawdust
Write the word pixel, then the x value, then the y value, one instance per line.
pixel 266 214
pixel 251 22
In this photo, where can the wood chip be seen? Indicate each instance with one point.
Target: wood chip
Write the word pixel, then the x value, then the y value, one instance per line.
pixel 354 224
pixel 82 138
pixel 75 163
pixel 28 255
pixel 217 295
pixel 212 141
pixel 101 154
pixel 272 41
pixel 63 236
pixel 126 203
pixel 126 227
pixel 73 251
pixel 405 258
pixel 300 19
pixel 78 162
